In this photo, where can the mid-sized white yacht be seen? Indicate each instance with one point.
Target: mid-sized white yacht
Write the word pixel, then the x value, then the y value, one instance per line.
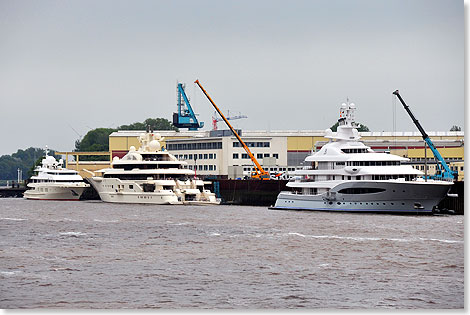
pixel 346 175
pixel 53 182
pixel 150 175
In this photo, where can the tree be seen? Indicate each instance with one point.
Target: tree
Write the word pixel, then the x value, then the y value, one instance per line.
pixel 360 128
pixel 455 128
pixel 23 159
pixel 95 140
pixel 154 123
pixel 98 139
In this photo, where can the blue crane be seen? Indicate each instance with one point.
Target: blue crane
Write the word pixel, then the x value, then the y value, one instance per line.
pixel 443 170
pixel 185 116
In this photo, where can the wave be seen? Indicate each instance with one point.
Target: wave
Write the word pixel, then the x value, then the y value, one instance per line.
pixel 13 219
pixel 356 238
pixel 76 234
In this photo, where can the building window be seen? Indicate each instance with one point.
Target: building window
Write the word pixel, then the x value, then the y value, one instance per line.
pixel 215 155
pixel 245 156
pixel 200 167
pixel 200 156
pixel 205 167
pixel 185 156
pixel 461 168
pixel 190 156
pixel 205 156
pixel 259 155
pixel 266 155
pixel 211 156
pixel 235 155
pixel 275 155
pixel 215 167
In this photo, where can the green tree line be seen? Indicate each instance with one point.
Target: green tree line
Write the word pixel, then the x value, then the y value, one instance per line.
pixel 25 160
pixel 97 139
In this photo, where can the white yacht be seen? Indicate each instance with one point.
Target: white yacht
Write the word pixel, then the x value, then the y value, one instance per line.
pixel 52 182
pixel 150 175
pixel 346 175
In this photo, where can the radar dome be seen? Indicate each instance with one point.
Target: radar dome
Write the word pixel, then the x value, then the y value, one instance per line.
pixel 328 133
pixel 154 145
pixel 132 148
pixel 352 105
pixel 115 159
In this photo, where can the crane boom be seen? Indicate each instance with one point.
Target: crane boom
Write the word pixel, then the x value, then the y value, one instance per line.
pixel 260 172
pixel 444 170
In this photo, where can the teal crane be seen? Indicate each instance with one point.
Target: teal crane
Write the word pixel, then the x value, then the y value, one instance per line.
pixel 185 116
pixel 443 170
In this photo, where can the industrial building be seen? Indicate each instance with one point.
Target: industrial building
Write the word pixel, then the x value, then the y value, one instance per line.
pixel 218 153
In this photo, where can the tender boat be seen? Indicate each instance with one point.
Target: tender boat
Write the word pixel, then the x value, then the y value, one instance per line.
pixel 151 175
pixel 53 182
pixel 346 175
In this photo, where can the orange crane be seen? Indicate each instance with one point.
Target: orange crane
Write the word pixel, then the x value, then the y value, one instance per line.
pixel 259 173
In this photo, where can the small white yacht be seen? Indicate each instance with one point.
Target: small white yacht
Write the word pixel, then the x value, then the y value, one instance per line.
pixel 53 182
pixel 346 175
pixel 150 175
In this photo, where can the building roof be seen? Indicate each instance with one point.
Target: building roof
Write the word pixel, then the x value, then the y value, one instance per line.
pixel 285 133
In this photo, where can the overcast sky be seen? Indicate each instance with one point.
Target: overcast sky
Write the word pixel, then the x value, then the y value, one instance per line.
pixel 70 66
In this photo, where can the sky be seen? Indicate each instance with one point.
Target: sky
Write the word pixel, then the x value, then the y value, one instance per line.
pixel 67 67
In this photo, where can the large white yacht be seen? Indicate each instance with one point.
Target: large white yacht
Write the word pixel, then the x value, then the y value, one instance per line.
pixel 52 182
pixel 346 175
pixel 150 175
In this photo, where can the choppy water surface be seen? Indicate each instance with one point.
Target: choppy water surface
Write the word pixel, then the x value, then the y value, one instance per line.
pixel 100 255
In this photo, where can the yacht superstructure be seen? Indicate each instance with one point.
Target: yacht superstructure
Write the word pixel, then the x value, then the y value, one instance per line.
pixel 346 175
pixel 53 182
pixel 151 175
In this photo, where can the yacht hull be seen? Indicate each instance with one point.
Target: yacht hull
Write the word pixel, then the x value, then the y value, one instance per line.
pixel 142 198
pixel 394 197
pixel 55 193
pixel 117 191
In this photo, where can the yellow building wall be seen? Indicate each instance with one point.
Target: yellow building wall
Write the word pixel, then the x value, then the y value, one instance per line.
pixel 124 143
pixel 445 152
pixel 90 166
pixel 299 143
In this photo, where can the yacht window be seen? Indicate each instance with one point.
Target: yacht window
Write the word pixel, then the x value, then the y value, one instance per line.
pixel 360 190
pixel 131 186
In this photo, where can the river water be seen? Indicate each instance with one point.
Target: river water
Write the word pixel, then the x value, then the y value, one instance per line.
pixel 92 254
